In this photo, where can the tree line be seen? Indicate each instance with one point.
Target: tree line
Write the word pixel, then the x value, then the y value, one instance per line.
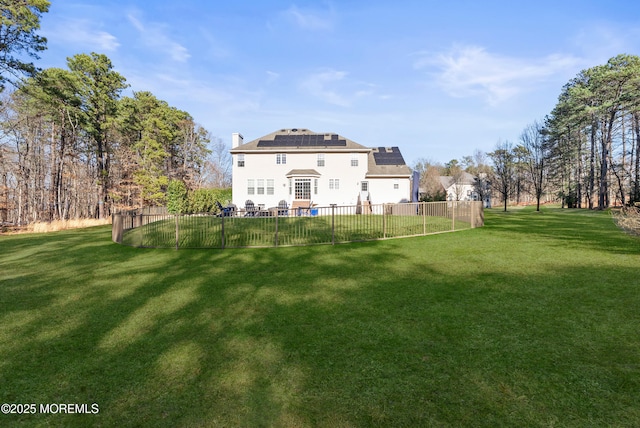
pixel 72 146
pixel 585 153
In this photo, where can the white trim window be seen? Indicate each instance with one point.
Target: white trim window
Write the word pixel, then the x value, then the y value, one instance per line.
pixel 320 159
pixel 315 186
pixel 354 159
pixel 251 186
pixel 270 186
pixel 240 160
pixel 281 158
pixel 260 186
pixel 334 184
pixel 303 188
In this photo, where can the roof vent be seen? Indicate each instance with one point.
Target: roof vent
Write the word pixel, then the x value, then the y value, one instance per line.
pixel 294 130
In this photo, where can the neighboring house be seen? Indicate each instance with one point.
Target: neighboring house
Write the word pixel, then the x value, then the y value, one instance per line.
pixel 463 187
pixel 304 167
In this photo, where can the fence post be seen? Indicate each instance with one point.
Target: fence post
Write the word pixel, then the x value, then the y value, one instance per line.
pixel 276 237
pixel 453 215
pixel 424 217
pixel 333 224
pixel 222 232
pixel 177 233
pixel 384 220
pixel 473 215
pixel 116 228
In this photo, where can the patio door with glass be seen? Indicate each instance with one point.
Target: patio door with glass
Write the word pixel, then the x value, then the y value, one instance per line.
pixel 303 188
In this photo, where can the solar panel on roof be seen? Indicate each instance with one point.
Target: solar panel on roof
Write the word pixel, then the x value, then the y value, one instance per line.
pixel 384 157
pixel 302 140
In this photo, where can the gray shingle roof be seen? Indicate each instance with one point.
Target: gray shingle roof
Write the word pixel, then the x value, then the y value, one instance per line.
pixel 300 140
pixel 382 161
pixel 385 161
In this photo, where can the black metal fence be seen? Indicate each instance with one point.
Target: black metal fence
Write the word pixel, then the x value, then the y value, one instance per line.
pixel 156 228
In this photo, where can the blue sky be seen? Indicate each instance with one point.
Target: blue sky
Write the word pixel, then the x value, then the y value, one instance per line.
pixel 438 79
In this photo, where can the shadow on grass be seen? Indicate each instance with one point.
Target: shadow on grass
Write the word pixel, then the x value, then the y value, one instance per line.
pixel 411 332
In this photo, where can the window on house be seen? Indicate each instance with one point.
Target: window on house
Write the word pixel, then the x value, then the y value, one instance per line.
pixel 334 183
pixel 364 186
pixel 251 187
pixel 270 186
pixel 315 186
pixel 303 188
pixel 320 159
pixel 396 185
pixel 241 160
pixel 354 160
pixel 260 186
pixel 290 187
pixel 281 158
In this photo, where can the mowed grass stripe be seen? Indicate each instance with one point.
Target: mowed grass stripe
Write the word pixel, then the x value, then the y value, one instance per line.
pixel 531 320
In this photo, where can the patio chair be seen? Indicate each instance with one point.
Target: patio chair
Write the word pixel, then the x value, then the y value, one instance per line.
pixel 283 208
pixel 227 211
pixel 250 209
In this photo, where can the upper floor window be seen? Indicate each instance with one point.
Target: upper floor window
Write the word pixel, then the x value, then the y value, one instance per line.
pixel 320 159
pixel 354 160
pixel 281 158
pixel 334 183
pixel 241 160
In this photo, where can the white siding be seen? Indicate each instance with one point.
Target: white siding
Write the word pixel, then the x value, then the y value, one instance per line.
pixel 381 190
pixel 263 166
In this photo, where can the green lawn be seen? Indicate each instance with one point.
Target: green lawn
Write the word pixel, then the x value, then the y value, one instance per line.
pixel 532 320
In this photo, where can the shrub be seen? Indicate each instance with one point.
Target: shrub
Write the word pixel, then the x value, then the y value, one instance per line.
pixel 177 197
pixel 204 200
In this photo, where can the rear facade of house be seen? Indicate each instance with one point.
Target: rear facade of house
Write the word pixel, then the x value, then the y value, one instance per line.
pixel 299 166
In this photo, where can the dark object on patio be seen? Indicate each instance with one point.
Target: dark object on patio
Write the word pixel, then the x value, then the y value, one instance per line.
pixel 283 208
pixel 301 207
pixel 227 211
pixel 250 209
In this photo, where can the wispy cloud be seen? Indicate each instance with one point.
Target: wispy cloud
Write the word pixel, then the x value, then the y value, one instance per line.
pixel 310 19
pixel 206 99
pixel 272 76
pixel 82 33
pixel 599 42
pixel 335 87
pixel 472 71
pixel 155 37
pixel 322 85
pixel 215 48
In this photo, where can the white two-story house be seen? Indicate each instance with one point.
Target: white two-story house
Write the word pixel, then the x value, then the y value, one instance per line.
pixel 464 187
pixel 301 167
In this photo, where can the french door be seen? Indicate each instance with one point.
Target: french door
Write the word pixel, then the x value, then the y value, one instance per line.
pixel 303 188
